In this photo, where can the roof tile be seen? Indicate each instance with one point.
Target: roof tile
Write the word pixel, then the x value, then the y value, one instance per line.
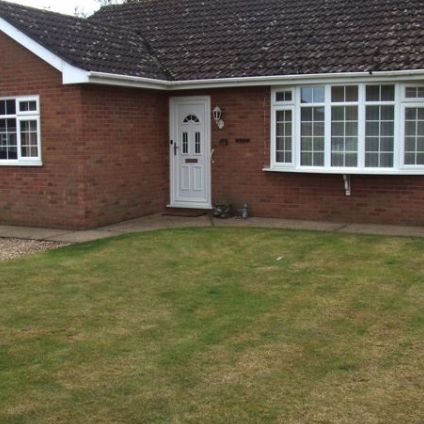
pixel 191 39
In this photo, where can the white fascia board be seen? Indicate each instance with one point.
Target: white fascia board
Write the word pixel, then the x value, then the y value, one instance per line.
pixel 279 80
pixel 304 79
pixel 127 81
pixel 70 73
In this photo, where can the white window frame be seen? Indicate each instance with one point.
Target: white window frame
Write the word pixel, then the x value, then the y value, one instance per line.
pixel 274 132
pixel 399 167
pixel 24 116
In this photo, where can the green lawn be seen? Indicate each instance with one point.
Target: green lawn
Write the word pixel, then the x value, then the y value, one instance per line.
pixel 207 326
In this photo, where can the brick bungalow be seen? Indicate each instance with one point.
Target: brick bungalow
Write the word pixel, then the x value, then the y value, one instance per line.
pixel 307 109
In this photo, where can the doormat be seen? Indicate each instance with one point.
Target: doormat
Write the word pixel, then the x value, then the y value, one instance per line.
pixel 187 213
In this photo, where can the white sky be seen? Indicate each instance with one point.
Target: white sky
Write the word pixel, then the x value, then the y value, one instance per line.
pixel 62 6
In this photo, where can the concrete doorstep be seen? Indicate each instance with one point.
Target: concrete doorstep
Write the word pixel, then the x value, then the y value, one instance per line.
pixel 159 221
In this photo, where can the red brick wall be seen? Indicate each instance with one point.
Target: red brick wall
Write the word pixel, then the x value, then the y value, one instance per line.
pixel 238 176
pixel 125 136
pixel 47 195
pixel 105 159
pixel 105 150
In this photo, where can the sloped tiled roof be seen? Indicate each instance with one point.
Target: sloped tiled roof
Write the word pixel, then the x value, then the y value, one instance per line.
pixel 87 44
pixel 209 39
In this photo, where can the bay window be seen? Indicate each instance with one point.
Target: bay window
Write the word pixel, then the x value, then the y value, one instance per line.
pixel 20 131
pixel 369 128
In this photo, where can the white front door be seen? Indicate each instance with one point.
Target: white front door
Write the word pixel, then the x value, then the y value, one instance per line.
pixel 190 152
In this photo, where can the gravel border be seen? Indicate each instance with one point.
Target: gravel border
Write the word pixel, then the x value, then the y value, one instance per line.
pixel 11 248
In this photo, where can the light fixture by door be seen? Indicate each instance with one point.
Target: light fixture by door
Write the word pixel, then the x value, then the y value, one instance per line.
pixel 217 116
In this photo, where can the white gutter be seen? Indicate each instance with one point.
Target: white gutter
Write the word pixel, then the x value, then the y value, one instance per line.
pixel 131 81
pixel 127 81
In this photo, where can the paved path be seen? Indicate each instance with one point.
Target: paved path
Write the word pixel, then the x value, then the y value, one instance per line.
pixel 155 222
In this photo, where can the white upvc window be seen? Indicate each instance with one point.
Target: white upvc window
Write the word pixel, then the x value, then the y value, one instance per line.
pixel 351 128
pixel 20 141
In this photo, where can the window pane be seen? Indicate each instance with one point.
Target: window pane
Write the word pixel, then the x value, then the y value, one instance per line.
pixel 306 95
pixel 379 131
pixel 312 94
pixel 338 129
pixel 351 113
pixel 8 139
pixel 306 114
pixel 7 107
pixel 338 113
pixel 338 94
pixel 29 138
pixel 185 142
pixel 387 113
pixel 387 128
pixel 11 107
pixel 410 128
pixel 411 113
pixel 312 136
pixel 351 128
pixel 414 136
pixel 319 95
pixel 373 93
pixel 371 160
pixel 28 106
pixel 337 159
pixel 344 136
pixel 373 113
pixel 197 143
pixel 306 158
pixel 284 96
pixel 352 93
pixel 344 93
pixel 319 129
pixel 307 143
pixel 411 92
pixel 284 136
pixel 387 93
pixel 318 113
pixel 380 93
pixel 351 159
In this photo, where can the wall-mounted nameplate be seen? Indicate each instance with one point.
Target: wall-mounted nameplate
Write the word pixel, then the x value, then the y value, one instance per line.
pixel 242 140
pixel 191 161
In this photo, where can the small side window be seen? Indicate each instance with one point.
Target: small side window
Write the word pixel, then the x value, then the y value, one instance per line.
pixel 20 131
pixel 28 106
pixel 414 93
pixel 285 96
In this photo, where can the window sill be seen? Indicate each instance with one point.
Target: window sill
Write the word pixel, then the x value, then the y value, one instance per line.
pixel 346 171
pixel 21 163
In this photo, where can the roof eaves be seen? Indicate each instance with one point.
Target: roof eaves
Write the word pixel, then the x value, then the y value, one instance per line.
pixel 71 74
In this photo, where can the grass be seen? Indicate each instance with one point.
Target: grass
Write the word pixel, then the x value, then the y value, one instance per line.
pixel 207 326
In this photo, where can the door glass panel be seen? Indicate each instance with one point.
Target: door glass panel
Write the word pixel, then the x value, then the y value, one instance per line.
pixel 185 142
pixel 197 143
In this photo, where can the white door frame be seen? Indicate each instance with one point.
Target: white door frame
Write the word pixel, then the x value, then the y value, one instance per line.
pixel 174 102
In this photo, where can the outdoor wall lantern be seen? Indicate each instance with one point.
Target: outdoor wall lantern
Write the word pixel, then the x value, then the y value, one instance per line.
pixel 217 116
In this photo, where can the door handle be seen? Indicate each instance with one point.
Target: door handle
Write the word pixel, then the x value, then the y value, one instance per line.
pixel 175 149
